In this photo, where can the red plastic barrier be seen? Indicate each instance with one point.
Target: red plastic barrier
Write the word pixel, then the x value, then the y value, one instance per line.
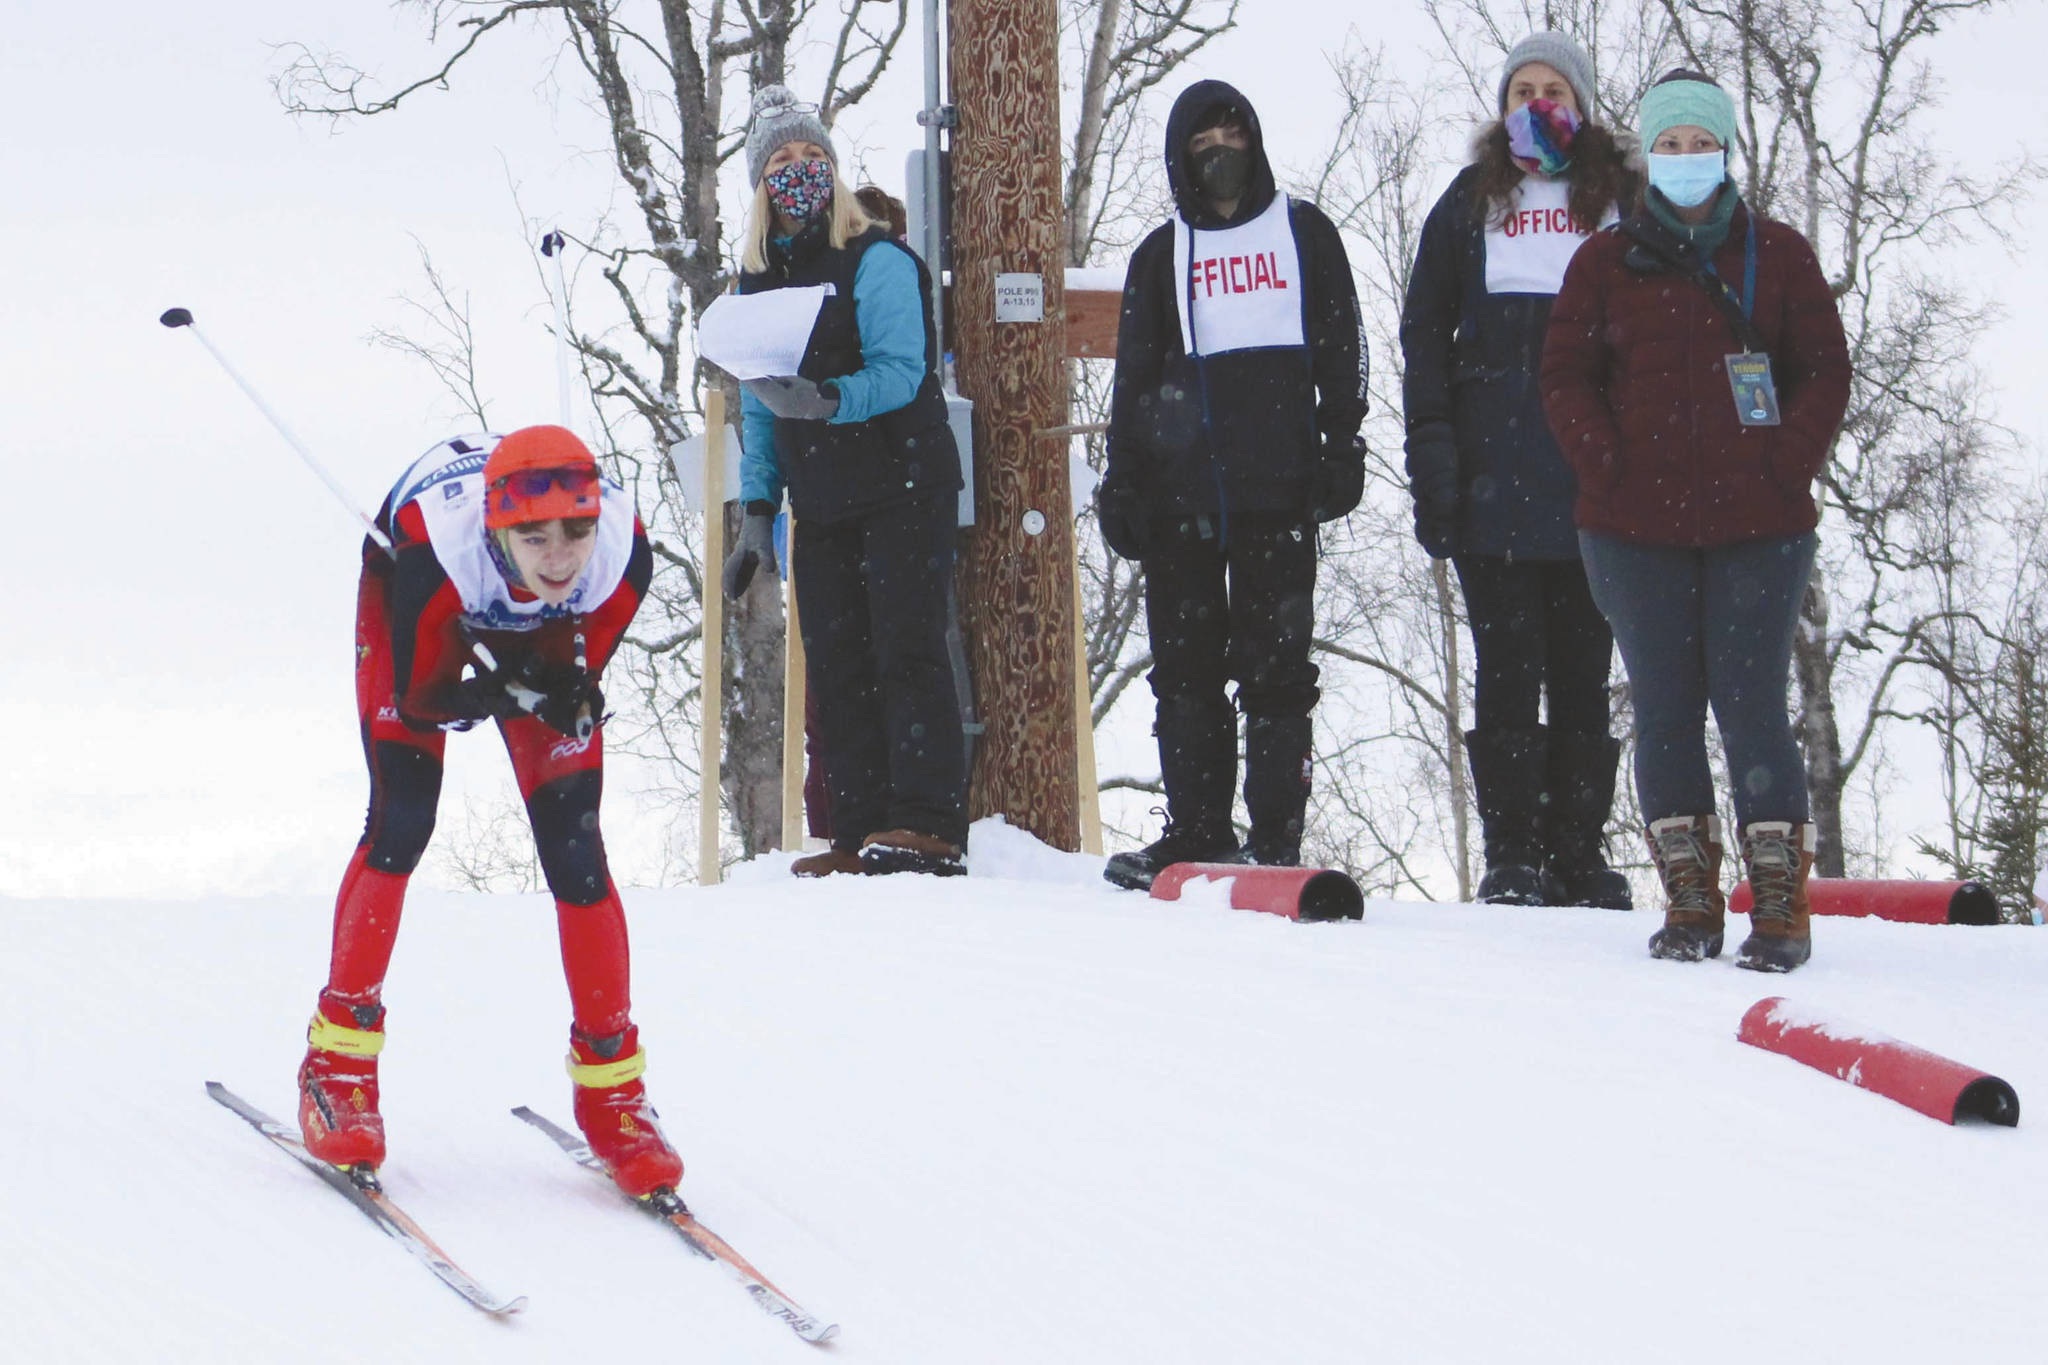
pixel 1916 1078
pixel 1907 902
pixel 1299 893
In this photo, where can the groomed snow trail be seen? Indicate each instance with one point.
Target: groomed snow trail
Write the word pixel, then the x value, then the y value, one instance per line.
pixel 1024 1118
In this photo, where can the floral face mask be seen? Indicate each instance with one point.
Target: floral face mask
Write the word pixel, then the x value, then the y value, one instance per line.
pixel 801 189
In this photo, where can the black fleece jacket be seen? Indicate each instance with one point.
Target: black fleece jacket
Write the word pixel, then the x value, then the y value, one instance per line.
pixel 1241 431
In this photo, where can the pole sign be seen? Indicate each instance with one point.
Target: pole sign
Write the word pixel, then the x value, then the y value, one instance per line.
pixel 1020 298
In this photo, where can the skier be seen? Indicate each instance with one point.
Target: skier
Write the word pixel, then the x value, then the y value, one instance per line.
pixel 1493 494
pixel 860 436
pixel 1239 392
pixel 511 556
pixel 1695 374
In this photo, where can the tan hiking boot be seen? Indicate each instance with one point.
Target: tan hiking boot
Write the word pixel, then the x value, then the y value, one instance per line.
pixel 1687 851
pixel 1778 856
pixel 826 864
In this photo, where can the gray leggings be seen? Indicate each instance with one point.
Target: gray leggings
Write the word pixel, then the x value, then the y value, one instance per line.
pixel 1699 628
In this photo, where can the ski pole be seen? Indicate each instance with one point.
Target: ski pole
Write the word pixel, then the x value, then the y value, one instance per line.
pixel 554 246
pixel 182 317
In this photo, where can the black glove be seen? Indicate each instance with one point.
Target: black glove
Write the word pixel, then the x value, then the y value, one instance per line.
pixel 1433 480
pixel 1121 516
pixel 756 548
pixel 478 698
pixel 795 397
pixel 1340 478
pixel 573 706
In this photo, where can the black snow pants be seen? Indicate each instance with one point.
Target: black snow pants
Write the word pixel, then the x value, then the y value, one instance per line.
pixel 1238 609
pixel 871 601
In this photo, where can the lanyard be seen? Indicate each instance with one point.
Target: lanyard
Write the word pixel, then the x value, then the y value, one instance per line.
pixel 1748 299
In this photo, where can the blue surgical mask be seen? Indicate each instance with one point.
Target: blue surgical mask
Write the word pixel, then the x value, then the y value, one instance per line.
pixel 1688 181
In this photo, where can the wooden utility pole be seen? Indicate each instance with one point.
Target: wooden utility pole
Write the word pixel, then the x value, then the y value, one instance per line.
pixel 1017 595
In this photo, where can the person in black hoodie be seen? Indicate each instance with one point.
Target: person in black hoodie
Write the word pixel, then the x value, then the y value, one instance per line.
pixel 1492 492
pixel 1240 389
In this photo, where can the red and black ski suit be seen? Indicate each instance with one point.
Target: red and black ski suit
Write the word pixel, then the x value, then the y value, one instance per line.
pixel 410 654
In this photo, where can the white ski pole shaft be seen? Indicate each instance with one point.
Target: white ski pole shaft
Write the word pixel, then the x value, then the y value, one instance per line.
pixel 180 317
pixel 553 247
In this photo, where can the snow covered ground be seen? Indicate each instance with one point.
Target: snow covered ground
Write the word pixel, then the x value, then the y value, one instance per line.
pixel 1025 1118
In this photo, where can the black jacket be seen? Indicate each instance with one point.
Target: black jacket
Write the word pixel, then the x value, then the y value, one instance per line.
pixel 1470 394
pixel 1240 431
pixel 837 471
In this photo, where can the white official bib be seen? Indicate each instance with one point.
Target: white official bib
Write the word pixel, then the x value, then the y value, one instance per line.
pixel 1528 249
pixel 1239 287
pixel 448 484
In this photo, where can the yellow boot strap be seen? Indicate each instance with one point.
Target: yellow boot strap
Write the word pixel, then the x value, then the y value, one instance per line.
pixel 605 1075
pixel 329 1036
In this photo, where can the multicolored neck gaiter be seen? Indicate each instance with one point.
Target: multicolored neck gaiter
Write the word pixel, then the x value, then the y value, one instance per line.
pixel 1540 136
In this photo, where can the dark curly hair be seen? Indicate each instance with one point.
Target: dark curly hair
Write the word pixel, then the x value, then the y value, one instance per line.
pixel 1600 174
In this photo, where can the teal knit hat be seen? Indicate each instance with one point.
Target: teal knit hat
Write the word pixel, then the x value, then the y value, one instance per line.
pixel 1683 97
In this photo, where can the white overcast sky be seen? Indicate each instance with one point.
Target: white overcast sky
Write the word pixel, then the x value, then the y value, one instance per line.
pixel 175 684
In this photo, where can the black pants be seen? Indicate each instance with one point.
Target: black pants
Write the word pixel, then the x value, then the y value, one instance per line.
pixel 1243 611
pixel 1702 628
pixel 871 598
pixel 1535 630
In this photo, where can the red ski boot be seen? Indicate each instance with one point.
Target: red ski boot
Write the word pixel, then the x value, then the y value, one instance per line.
pixel 613 1112
pixel 338 1083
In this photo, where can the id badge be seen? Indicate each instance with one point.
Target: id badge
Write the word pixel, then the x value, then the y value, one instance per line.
pixel 1756 393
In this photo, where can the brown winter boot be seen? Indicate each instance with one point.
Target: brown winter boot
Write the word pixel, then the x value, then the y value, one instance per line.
pixel 907 850
pixel 1687 851
pixel 825 864
pixel 1778 856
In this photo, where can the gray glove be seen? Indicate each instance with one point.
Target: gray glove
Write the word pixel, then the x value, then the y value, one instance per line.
pixel 756 548
pixel 794 397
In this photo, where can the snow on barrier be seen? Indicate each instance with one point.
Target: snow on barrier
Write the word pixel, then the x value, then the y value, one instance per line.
pixel 1916 1078
pixel 1299 893
pixel 1906 901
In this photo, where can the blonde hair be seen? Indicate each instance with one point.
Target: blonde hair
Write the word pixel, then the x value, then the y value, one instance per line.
pixel 849 220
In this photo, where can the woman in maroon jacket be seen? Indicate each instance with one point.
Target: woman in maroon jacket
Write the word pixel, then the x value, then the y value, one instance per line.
pixel 1695 375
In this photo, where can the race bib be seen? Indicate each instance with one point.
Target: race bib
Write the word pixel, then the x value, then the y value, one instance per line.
pixel 1240 288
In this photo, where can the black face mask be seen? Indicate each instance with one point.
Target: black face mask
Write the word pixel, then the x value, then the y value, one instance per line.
pixel 1223 171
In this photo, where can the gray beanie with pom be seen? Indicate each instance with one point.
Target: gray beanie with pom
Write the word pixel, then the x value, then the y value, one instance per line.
pixel 1562 55
pixel 780 117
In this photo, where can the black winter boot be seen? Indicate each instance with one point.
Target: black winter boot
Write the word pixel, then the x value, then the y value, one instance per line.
pixel 1278 753
pixel 1198 767
pixel 1210 843
pixel 1582 768
pixel 1508 779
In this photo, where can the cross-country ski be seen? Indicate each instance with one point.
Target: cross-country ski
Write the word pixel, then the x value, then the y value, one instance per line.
pixel 669 1207
pixel 361 1188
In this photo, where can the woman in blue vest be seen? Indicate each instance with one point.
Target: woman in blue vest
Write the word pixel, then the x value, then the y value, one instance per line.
pixel 858 436
pixel 1492 493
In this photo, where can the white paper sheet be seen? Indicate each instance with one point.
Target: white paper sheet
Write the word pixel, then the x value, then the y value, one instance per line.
pixel 756 336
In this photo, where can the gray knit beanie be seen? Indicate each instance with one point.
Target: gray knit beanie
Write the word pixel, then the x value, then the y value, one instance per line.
pixel 780 117
pixel 1562 55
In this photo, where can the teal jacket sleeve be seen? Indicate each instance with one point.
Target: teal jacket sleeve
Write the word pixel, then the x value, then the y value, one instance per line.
pixel 889 310
pixel 760 468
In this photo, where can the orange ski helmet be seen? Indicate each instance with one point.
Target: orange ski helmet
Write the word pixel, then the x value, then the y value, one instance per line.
pixel 539 474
